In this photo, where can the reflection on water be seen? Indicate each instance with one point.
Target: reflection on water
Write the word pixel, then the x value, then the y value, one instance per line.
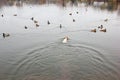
pixel 77 62
pixel 32 31
pixel 102 4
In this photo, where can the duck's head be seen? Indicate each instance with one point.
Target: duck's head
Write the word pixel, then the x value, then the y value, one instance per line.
pixel 66 37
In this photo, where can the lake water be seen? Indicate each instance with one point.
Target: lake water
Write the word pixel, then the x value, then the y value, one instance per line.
pixel 37 53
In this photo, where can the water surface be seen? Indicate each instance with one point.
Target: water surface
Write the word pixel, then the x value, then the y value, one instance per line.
pixel 37 53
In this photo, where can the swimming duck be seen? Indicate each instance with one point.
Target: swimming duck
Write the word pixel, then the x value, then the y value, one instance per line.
pixel 35 21
pixel 93 30
pixel 6 35
pixel 106 20
pixel 32 18
pixel 15 15
pixel 48 22
pixel 100 27
pixel 103 30
pixel 65 40
pixel 70 13
pixel 77 12
pixel 2 15
pixel 25 27
pixel 60 26
pixel 37 25
pixel 73 20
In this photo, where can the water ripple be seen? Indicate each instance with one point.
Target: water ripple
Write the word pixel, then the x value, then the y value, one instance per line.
pixel 57 61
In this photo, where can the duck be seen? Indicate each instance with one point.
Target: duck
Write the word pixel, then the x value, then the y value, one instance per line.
pixel 32 18
pixel 77 12
pixel 106 20
pixel 37 25
pixel 60 26
pixel 15 15
pixel 48 22
pixel 65 40
pixel 93 30
pixel 25 27
pixel 73 20
pixel 35 21
pixel 2 15
pixel 70 13
pixel 100 27
pixel 5 35
pixel 103 30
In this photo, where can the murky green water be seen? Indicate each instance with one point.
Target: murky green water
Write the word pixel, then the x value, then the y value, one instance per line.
pixel 37 52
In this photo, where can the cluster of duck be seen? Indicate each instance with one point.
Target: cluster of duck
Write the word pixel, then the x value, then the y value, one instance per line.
pixel 65 39
pixel 13 15
pixel 48 22
pixel 100 28
pixel 72 14
pixel 6 34
pixel 35 21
